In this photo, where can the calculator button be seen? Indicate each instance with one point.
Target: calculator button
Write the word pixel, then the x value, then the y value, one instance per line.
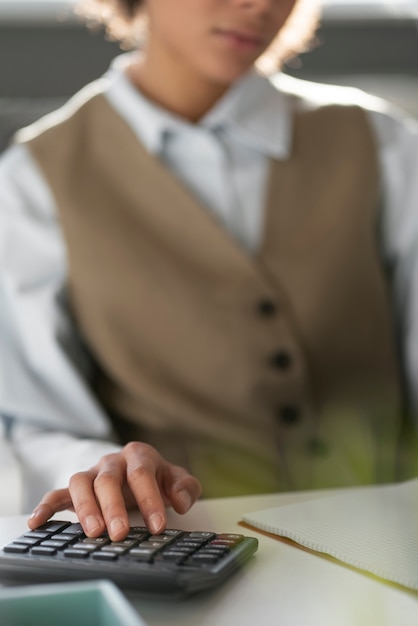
pixel 181 548
pixel 114 549
pixel 126 543
pixel 203 558
pixel 171 555
pixel 54 527
pixel 142 554
pixel 63 537
pixel 205 536
pixel 118 550
pixel 96 541
pixel 87 547
pixel 163 539
pixel 230 536
pixel 16 548
pixel 139 529
pixel 138 536
pixel 215 550
pixel 173 532
pixel 74 529
pixel 227 543
pixel 104 556
pixel 76 554
pixel 51 543
pixel 151 544
pixel 44 551
pixel 39 534
pixel 28 541
pixel 193 543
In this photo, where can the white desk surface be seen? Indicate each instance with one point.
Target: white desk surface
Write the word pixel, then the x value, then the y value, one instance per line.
pixel 281 586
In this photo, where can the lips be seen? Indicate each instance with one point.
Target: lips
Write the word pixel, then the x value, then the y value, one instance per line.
pixel 241 37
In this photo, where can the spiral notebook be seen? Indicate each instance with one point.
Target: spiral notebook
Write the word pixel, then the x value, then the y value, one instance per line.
pixel 373 529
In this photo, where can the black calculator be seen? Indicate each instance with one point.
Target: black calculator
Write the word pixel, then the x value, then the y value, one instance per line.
pixel 173 563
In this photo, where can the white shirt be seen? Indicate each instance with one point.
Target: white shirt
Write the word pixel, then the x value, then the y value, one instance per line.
pixel 57 425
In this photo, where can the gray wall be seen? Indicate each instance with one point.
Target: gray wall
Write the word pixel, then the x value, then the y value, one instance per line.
pixel 41 59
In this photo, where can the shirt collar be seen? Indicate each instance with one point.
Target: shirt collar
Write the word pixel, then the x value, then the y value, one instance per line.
pixel 257 113
pixel 253 111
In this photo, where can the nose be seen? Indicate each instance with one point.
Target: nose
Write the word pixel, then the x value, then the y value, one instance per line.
pixel 258 6
pixel 256 3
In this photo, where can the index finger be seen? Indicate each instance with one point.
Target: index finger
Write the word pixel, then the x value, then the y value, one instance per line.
pixel 143 465
pixel 52 502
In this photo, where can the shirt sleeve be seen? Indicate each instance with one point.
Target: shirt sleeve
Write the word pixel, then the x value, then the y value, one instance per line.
pixel 397 139
pixel 48 459
pixel 44 368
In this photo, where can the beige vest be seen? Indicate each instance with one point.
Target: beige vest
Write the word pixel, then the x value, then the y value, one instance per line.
pixel 259 373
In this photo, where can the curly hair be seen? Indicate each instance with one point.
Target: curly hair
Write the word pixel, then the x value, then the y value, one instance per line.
pixel 125 21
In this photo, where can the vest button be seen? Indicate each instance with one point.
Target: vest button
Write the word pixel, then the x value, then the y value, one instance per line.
pixel 289 414
pixel 267 308
pixel 281 360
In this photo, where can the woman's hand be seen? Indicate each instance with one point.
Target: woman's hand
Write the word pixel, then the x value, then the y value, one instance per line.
pixel 137 476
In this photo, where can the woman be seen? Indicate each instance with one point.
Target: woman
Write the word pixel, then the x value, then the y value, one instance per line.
pixel 205 273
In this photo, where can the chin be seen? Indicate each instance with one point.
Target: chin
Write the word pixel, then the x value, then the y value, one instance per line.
pixel 230 75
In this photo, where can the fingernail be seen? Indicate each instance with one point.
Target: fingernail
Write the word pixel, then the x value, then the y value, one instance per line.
pixel 92 524
pixel 155 523
pixel 184 498
pixel 116 526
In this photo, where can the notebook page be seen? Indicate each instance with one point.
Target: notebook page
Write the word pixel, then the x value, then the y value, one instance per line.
pixel 374 529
